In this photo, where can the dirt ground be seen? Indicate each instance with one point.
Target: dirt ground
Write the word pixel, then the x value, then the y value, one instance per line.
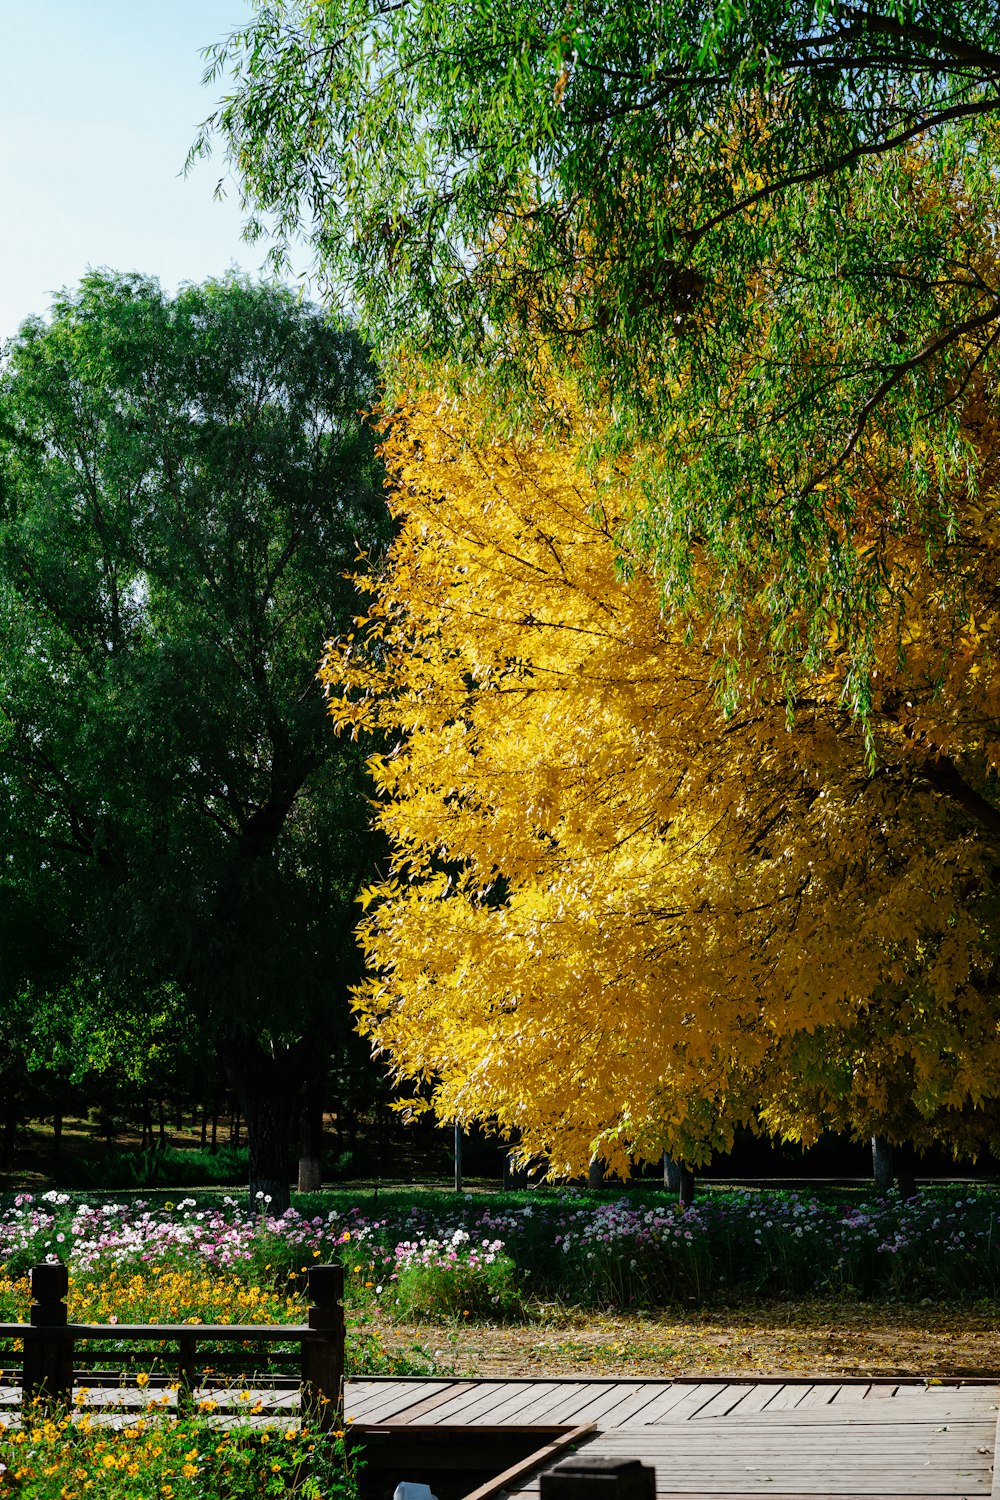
pixel 825 1339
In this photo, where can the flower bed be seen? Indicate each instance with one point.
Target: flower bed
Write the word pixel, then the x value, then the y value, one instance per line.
pixel 67 1459
pixel 491 1258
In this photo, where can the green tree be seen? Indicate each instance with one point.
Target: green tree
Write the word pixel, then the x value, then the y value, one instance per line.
pixel 756 233
pixel 185 484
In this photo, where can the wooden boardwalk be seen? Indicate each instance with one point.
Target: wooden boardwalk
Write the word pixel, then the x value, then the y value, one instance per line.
pixel 736 1438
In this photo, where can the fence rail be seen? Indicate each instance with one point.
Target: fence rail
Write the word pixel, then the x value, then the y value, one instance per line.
pixel 50 1344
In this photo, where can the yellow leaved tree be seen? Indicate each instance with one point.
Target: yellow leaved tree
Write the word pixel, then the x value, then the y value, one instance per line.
pixel 627 911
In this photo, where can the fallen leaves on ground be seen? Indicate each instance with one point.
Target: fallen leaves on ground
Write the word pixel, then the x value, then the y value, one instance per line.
pixel 827 1338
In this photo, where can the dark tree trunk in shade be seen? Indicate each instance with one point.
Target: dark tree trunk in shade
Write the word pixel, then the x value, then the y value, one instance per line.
pixel 513 1176
pixel 267 1085
pixel 882 1165
pixel 311 1133
pixel 595 1173
pixel 905 1162
pixel 679 1179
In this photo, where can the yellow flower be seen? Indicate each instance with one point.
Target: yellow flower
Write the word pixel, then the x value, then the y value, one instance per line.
pixel 142 1379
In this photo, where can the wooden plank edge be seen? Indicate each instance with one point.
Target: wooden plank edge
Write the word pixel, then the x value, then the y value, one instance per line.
pixel 534 1461
pixel 995 1487
pixel 917 1382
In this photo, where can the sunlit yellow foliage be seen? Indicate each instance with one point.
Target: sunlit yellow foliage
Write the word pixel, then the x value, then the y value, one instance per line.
pixel 620 918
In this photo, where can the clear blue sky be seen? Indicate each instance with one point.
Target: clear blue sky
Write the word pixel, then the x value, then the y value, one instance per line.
pixel 99 102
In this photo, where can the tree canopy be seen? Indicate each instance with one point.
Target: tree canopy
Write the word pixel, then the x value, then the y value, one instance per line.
pixel 184 485
pixel 758 236
pixel 619 918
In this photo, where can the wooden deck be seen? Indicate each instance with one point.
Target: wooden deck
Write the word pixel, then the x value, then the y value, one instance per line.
pixel 735 1438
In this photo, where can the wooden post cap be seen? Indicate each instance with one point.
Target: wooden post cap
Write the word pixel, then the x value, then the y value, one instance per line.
pixel 584 1477
pixel 326 1283
pixel 49 1281
pixel 49 1285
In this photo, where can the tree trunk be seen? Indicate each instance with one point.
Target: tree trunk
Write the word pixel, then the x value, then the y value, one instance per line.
pixel 905 1160
pixel 267 1084
pixel 595 1173
pixel 269 1115
pixel 882 1165
pixel 458 1157
pixel 311 1134
pixel 11 1120
pixel 679 1179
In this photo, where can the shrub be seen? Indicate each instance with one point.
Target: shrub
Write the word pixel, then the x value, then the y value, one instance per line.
pixel 455 1278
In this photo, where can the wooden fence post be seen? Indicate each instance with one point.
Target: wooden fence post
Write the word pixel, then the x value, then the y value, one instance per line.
pixel 583 1478
pixel 323 1349
pixel 48 1343
pixel 187 1348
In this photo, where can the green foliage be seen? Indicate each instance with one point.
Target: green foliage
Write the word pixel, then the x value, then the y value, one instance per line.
pixel 184 484
pixel 758 235
pixel 58 1459
pixel 167 1167
pixel 436 1283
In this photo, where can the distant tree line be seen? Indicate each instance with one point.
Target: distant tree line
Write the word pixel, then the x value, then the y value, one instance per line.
pixel 185 485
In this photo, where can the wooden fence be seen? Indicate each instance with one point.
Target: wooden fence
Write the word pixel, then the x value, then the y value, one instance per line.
pixel 52 1363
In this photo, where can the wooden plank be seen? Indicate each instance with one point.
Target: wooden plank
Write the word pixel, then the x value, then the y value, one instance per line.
pixel 594 1406
pixel 634 1406
pixel 359 1395
pixel 429 1407
pixel 788 1397
pixel 378 1395
pixel 526 1407
pixel 552 1408
pixel 820 1395
pixel 396 1400
pixel 470 1404
pixel 805 1487
pixel 530 1491
pixel 754 1400
pixel 677 1404
pixel 722 1403
pixel 808 1440
pixel 871 1416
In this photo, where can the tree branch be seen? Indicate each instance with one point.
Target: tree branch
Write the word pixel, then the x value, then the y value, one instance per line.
pixel 944 776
